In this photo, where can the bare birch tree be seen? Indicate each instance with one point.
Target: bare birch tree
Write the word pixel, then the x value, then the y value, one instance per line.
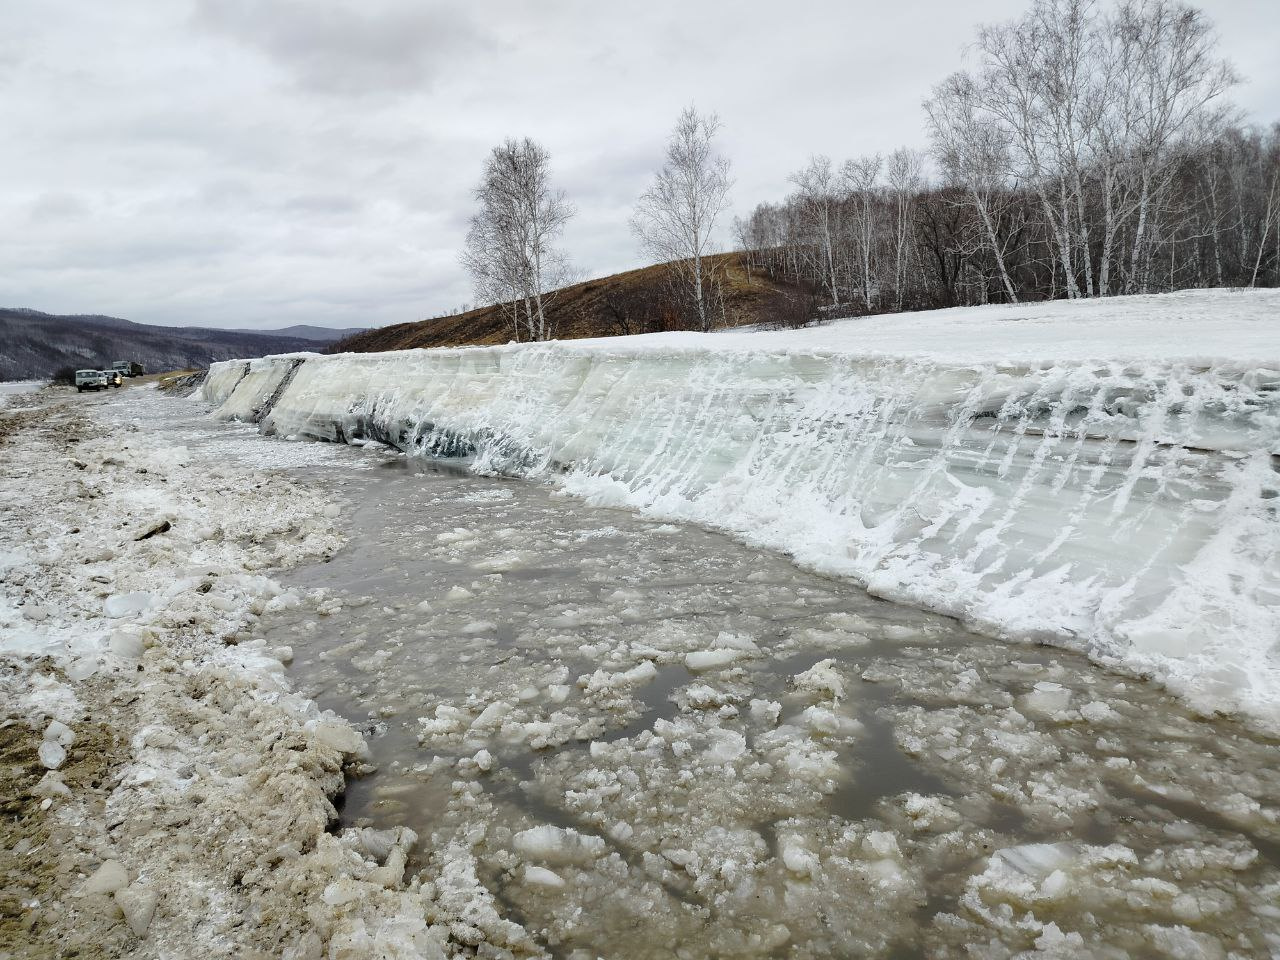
pixel 675 219
pixel 818 202
pixel 973 153
pixel 1086 152
pixel 903 174
pixel 1266 227
pixel 861 177
pixel 510 249
pixel 1177 80
pixel 1094 111
pixel 1030 76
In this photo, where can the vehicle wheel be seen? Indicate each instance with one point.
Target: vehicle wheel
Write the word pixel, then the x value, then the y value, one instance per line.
pixel 79 389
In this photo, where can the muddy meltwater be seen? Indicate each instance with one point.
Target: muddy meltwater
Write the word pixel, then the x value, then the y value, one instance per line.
pixel 622 738
pixel 738 757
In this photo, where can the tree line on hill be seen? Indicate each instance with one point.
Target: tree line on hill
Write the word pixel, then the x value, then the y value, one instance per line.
pixel 1087 152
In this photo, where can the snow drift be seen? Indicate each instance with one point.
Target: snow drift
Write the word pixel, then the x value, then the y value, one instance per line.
pixel 1102 475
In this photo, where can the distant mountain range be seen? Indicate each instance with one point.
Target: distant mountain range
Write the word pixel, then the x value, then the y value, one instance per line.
pixel 305 331
pixel 34 345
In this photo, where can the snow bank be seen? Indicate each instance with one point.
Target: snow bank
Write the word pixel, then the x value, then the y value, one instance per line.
pixel 1100 475
pixel 249 387
pixel 223 378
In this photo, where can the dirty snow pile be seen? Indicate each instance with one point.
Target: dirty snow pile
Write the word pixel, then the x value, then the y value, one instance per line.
pixel 1096 474
pixel 166 794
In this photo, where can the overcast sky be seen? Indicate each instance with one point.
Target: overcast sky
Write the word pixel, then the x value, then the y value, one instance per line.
pixel 258 163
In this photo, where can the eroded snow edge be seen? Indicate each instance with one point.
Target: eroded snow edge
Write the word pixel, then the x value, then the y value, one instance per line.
pixel 1126 509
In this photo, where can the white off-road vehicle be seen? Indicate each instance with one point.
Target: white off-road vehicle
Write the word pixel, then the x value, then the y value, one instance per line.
pixel 90 380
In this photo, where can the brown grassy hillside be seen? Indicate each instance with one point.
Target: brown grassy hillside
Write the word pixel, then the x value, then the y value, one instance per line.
pixel 638 301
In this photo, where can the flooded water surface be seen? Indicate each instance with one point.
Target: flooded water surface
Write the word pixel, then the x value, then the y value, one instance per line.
pixel 626 738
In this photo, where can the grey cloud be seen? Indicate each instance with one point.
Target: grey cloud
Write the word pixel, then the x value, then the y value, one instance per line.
pixel 321 204
pixel 349 48
pixel 225 191
pixel 58 206
pixel 105 250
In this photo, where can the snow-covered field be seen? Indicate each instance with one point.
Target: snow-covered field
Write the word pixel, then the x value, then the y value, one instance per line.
pixel 1100 474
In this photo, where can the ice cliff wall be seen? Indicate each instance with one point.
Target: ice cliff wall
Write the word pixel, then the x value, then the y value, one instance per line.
pixel 1126 505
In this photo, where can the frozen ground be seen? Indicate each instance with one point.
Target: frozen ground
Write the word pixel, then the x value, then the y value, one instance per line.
pixel 1101 475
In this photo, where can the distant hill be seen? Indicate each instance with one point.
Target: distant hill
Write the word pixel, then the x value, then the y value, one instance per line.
pixel 305 331
pixel 637 301
pixel 34 345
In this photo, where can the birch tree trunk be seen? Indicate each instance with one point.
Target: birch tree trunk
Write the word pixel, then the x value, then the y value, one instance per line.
pixel 675 219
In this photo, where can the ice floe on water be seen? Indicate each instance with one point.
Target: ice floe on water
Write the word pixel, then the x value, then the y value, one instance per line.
pixel 639 740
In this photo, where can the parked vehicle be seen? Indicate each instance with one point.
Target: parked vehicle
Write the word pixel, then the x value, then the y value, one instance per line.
pixel 128 368
pixel 114 377
pixel 90 380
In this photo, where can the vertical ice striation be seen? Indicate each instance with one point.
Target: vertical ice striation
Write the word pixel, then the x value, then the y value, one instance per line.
pixel 250 387
pixel 223 379
pixel 1127 507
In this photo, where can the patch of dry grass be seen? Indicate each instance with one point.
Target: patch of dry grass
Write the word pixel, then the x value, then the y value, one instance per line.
pixel 584 310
